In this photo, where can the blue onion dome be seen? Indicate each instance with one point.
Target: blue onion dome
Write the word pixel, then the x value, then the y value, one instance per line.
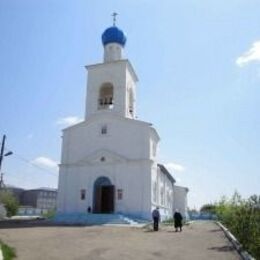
pixel 113 35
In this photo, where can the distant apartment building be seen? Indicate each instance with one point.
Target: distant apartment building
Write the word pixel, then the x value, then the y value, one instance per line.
pixel 35 201
pixel 42 198
pixel 17 192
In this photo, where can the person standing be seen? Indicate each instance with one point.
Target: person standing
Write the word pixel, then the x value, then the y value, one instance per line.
pixel 177 220
pixel 156 218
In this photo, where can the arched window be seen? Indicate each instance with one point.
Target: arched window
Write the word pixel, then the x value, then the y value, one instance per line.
pixel 104 130
pixel 105 100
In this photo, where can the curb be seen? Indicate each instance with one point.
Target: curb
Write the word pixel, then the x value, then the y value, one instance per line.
pixel 244 254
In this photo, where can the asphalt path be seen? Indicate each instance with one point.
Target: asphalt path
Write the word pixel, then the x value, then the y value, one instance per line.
pixel 199 240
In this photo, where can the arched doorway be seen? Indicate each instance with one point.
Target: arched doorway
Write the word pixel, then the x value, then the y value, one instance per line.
pixel 103 197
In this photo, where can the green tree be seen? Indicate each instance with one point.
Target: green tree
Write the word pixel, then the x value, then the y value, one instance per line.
pixel 208 208
pixel 10 202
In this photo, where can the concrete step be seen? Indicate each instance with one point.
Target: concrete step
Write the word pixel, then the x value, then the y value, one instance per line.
pixel 95 219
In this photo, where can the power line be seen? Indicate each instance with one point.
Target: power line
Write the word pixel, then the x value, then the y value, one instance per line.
pixel 22 158
pixel 35 165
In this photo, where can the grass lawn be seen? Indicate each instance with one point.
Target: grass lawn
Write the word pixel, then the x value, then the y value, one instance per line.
pixel 8 252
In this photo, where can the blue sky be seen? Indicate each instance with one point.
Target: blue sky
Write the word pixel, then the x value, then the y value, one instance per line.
pixel 198 63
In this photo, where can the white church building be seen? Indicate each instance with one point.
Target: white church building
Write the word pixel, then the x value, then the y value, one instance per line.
pixel 109 161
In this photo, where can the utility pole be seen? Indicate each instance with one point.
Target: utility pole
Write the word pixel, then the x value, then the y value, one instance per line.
pixel 2 185
pixel 1 159
pixel 2 155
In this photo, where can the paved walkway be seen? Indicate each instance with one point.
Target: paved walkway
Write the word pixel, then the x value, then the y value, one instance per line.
pixel 200 240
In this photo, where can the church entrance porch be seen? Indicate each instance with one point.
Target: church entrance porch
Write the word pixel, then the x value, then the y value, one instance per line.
pixel 103 199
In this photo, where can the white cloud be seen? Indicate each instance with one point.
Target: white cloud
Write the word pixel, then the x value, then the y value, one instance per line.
pixel 253 54
pixel 68 121
pixel 45 162
pixel 174 167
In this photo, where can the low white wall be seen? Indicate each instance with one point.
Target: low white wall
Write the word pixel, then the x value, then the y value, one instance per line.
pixel 2 211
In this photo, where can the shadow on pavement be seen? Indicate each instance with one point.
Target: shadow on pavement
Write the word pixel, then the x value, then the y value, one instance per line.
pixel 222 248
pixel 216 230
pixel 9 224
pixel 149 231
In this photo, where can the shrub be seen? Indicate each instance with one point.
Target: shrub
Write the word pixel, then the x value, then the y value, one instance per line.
pixel 50 214
pixel 242 218
pixel 10 202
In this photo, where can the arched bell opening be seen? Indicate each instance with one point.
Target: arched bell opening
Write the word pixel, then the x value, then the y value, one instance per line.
pixel 106 96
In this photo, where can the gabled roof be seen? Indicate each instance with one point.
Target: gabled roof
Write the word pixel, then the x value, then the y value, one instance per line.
pixel 107 114
pixel 95 157
pixel 166 172
pixel 181 187
pixel 42 189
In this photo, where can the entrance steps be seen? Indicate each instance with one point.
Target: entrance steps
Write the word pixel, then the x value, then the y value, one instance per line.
pixel 96 219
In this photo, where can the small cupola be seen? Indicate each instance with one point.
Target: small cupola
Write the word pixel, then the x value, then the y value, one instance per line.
pixel 113 40
pixel 113 35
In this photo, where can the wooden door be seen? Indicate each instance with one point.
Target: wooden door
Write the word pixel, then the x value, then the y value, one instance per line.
pixel 98 200
pixel 107 199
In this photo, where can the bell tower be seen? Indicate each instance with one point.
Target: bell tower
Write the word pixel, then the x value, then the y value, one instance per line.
pixel 111 85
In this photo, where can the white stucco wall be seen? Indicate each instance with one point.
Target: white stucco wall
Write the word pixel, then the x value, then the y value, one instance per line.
pixel 129 160
pixel 125 137
pixel 131 177
pixel 162 192
pixel 121 75
pixel 113 52
pixel 180 200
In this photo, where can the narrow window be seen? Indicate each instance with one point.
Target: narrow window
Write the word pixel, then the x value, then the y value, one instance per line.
pixel 162 196
pixel 119 194
pixel 154 149
pixel 131 101
pixel 104 130
pixel 155 192
pixel 83 194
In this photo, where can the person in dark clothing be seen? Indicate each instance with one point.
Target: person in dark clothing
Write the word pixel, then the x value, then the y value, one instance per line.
pixel 156 218
pixel 177 220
